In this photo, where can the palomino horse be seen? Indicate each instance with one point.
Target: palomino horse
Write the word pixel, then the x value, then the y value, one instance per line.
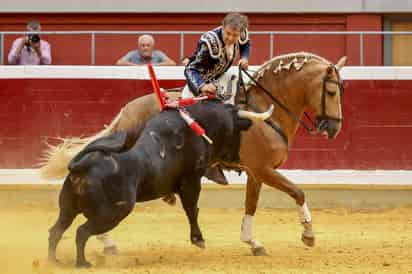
pixel 293 81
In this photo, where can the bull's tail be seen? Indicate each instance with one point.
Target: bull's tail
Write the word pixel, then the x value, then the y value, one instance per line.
pixel 55 158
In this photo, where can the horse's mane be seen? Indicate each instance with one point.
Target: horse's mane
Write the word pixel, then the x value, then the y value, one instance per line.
pixel 286 61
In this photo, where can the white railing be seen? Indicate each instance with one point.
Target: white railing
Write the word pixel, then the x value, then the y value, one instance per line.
pixel 271 36
pixel 176 72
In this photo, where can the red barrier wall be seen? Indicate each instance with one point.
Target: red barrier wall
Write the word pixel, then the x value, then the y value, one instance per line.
pixel 376 132
pixel 33 111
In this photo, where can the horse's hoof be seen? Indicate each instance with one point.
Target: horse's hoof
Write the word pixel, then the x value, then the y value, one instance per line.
pixel 259 251
pixel 84 264
pixel 308 241
pixel 200 244
pixel 110 250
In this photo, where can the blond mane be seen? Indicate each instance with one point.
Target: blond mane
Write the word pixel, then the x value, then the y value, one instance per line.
pixel 286 62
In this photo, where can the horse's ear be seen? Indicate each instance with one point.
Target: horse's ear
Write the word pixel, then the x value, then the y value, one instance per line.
pixel 341 62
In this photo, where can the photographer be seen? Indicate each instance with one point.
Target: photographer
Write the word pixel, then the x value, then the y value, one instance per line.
pixel 30 49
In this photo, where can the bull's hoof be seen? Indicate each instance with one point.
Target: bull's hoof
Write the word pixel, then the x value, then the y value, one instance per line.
pixel 83 264
pixel 35 263
pixel 170 199
pixel 308 240
pixel 259 251
pixel 198 241
pixel 110 250
pixel 200 244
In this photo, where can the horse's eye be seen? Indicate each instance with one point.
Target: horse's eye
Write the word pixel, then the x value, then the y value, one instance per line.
pixel 331 93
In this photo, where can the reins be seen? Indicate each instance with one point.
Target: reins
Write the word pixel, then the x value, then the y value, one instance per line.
pixel 274 99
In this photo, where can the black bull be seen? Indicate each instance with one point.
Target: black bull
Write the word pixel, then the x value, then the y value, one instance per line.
pixel 112 173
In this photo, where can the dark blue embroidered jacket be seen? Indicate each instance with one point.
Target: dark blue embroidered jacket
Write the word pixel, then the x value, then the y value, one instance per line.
pixel 210 59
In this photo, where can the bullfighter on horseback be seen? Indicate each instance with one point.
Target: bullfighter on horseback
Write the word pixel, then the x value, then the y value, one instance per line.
pixel 215 53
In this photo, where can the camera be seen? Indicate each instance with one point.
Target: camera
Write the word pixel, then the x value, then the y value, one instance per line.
pixel 34 38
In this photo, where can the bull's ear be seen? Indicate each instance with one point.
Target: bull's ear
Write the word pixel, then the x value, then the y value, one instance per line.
pixel 111 143
pixel 341 62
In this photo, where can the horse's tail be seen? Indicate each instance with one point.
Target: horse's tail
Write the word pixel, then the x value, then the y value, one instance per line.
pixel 55 158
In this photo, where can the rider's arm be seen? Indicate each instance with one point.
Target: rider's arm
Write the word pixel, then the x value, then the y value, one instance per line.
pixel 245 50
pixel 193 70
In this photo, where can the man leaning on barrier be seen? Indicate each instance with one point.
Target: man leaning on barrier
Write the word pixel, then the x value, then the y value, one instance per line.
pixel 145 54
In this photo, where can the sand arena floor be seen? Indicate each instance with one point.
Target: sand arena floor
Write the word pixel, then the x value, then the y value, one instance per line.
pixel 155 239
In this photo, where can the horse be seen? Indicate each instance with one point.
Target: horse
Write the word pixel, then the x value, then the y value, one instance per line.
pixel 293 82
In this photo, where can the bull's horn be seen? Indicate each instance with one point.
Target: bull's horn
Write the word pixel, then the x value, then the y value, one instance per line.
pixel 254 115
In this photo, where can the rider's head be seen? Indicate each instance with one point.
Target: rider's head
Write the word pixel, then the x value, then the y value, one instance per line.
pixel 145 45
pixel 233 25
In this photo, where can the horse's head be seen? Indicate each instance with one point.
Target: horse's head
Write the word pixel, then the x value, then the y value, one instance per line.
pixel 295 81
pixel 327 101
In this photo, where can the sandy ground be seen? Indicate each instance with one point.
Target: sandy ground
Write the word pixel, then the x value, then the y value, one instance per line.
pixel 155 239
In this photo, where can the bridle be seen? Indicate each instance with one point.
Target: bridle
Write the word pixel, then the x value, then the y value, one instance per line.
pixel 326 79
pixel 321 120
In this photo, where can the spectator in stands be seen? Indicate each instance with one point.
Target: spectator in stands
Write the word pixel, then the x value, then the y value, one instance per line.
pixel 30 49
pixel 215 53
pixel 145 54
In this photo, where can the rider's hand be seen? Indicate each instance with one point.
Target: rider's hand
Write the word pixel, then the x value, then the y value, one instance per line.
pixel 208 89
pixel 26 40
pixel 244 63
